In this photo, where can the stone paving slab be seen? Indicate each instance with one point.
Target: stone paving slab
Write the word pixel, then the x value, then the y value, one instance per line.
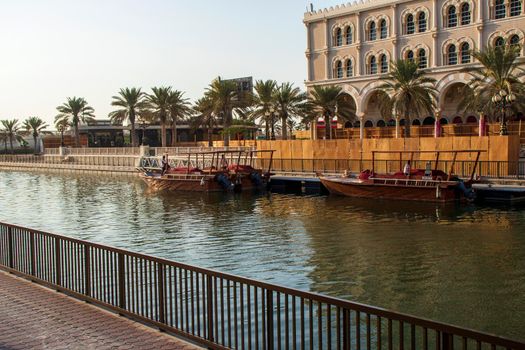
pixel 35 317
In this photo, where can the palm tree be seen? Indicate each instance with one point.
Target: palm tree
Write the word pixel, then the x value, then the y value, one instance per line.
pixel 290 103
pixel 498 71
pixel 159 103
pixel 35 126
pixel 205 117
pixel 12 130
pixel 131 105
pixel 226 101
pixel 329 101
pixel 75 110
pixel 61 126
pixel 408 91
pixel 179 107
pixel 263 101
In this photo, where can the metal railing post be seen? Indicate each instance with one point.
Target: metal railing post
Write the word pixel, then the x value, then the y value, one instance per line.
pixel 121 282
pixel 161 288
pixel 10 248
pixel 32 252
pixel 447 341
pixel 209 306
pixel 87 271
pixel 269 319
pixel 58 267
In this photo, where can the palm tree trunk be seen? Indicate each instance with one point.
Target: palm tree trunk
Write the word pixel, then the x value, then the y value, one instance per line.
pixel 77 136
pixel 174 133
pixel 62 139
pixel 266 128
pixel 163 133
pixel 210 137
pixel 284 130
pixel 11 143
pixel 134 141
pixel 328 126
pixel 227 123
pixel 407 125
pixel 34 142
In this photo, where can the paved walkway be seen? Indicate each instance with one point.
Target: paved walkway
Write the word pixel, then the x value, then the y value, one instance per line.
pixel 34 317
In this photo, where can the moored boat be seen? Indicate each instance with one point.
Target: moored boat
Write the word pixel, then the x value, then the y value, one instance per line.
pixel 430 185
pixel 210 172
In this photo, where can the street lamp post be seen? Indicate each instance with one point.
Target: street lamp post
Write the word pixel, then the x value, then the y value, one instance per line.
pixel 503 100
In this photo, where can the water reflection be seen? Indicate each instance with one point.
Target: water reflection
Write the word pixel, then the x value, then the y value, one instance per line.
pixel 459 264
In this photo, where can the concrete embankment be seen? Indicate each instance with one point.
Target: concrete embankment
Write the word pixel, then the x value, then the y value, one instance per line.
pixel 107 164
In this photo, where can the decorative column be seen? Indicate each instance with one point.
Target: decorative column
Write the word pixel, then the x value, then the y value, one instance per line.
pixel 327 74
pixel 437 124
pixel 308 52
pixel 309 66
pixel 482 125
pixel 361 117
pixel 325 52
pixel 359 63
pixel 436 53
pixel 435 28
pixel 396 118
pixel 395 33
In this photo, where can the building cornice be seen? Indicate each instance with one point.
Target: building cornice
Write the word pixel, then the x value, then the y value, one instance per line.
pixel 349 8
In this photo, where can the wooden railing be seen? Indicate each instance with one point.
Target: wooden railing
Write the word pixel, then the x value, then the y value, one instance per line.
pixel 219 310
pixel 125 151
pixel 493 169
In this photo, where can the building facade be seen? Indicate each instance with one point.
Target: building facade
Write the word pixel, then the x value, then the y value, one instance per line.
pixel 351 46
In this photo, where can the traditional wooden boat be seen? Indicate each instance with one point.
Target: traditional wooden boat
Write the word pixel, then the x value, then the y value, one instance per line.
pixel 431 185
pixel 210 172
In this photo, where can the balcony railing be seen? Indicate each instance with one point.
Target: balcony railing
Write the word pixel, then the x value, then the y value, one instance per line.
pixel 219 310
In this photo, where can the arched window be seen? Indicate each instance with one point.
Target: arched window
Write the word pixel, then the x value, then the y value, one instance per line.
pixel 410 55
pixel 515 7
pixel 416 122
pixel 472 119
pixel 339 69
pixel 457 120
pixel 499 9
pixel 373 65
pixel 338 37
pixel 499 42
pixel 429 121
pixel 348 35
pixel 452 55
pixel 349 68
pixel 383 29
pixel 514 41
pixel 422 59
pixel 384 64
pixel 369 124
pixel 452 17
pixel 465 14
pixel 422 22
pixel 410 25
pixel 465 53
pixel 381 123
pixel 372 31
pixel 443 121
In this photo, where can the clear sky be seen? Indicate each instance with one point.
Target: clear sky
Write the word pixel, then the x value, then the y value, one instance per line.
pixel 58 48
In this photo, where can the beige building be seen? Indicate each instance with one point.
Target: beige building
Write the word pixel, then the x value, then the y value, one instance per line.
pixel 351 46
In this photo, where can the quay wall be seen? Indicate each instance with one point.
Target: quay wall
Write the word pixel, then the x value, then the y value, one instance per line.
pixel 495 148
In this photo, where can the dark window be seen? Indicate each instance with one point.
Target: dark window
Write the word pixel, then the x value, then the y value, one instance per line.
pixel 383 29
pixel 410 56
pixel 373 65
pixel 369 124
pixel 499 10
pixel 499 42
pixel 348 35
pixel 349 68
pixel 422 22
pixel 410 25
pixel 384 64
pixel 465 53
pixel 372 32
pixel 416 122
pixel 381 123
pixel 339 69
pixel 338 37
pixel 465 14
pixel 452 17
pixel 515 42
pixel 452 55
pixel 422 59
pixel 515 7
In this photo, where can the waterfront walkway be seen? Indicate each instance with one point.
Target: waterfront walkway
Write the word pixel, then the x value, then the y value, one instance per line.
pixel 34 317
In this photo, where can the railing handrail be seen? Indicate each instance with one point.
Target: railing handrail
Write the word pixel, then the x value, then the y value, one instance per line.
pixel 312 296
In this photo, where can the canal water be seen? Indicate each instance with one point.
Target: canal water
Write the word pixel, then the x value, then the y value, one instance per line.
pixel 458 264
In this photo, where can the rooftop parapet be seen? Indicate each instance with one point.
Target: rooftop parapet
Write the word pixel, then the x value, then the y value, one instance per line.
pixel 350 7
